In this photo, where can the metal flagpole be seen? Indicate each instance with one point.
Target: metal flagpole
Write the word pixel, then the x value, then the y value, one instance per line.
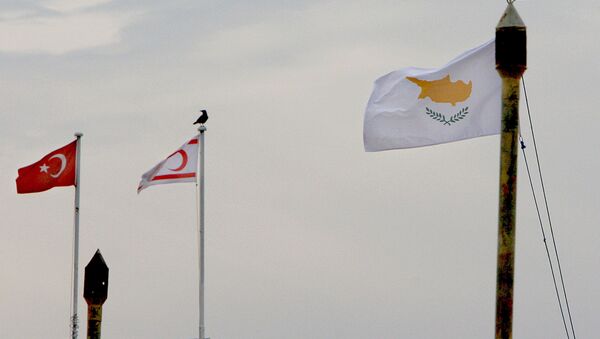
pixel 511 61
pixel 200 189
pixel 74 319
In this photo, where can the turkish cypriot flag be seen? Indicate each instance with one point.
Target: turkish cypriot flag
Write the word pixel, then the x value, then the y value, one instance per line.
pixel 180 166
pixel 415 107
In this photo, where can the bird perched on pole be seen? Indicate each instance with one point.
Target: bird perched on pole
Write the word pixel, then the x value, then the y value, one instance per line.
pixel 202 119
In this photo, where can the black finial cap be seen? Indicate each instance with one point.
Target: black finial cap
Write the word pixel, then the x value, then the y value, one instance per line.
pixel 95 286
pixel 511 43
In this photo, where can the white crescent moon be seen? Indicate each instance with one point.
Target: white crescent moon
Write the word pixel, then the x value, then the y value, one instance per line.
pixel 63 164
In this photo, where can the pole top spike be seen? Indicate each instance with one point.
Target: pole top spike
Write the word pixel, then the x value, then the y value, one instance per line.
pixel 202 129
pixel 510 18
pixel 97 260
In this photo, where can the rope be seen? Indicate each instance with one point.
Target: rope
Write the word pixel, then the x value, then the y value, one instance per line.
pixel 537 208
pixel 562 281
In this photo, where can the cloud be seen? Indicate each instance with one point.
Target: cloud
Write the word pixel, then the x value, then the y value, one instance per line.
pixel 70 5
pixel 61 26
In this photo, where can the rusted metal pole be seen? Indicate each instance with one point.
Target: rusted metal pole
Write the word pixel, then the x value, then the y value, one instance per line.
pixel 95 292
pixel 94 321
pixel 511 62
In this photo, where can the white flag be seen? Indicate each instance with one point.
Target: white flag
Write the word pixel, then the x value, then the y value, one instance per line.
pixel 180 166
pixel 415 107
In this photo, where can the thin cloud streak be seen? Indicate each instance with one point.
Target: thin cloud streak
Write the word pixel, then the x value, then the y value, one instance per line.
pixel 61 27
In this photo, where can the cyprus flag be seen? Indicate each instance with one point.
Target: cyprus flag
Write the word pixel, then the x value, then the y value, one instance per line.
pixel 415 107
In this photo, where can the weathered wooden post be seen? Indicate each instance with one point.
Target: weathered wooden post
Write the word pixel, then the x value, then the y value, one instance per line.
pixel 511 62
pixel 95 291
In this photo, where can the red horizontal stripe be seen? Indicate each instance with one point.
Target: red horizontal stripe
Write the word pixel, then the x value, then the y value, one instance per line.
pixel 193 142
pixel 174 176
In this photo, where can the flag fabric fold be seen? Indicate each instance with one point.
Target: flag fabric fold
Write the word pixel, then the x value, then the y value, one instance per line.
pixel 178 167
pixel 57 168
pixel 414 107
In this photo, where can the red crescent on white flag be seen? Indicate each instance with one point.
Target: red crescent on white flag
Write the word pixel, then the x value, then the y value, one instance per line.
pixel 63 164
pixel 184 161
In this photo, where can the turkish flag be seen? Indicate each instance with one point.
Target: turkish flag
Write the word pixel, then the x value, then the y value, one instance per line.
pixel 57 168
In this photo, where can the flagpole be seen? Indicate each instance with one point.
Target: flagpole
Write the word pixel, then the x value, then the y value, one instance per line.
pixel 200 190
pixel 511 61
pixel 74 317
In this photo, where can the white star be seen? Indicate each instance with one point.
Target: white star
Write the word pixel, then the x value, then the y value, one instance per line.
pixel 44 168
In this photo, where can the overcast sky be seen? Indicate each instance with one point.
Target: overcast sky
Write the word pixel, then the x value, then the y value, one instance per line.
pixel 307 236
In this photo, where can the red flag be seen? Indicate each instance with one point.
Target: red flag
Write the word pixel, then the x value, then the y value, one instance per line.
pixel 57 168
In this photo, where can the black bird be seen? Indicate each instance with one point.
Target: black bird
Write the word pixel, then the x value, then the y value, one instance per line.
pixel 202 119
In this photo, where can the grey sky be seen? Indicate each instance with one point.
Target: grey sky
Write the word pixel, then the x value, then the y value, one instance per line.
pixel 307 235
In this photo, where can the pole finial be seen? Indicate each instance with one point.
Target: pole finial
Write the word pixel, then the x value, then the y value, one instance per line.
pixel 510 17
pixel 78 134
pixel 511 43
pixel 95 285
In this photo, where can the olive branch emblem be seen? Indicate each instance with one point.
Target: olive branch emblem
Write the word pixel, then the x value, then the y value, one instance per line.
pixel 447 121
